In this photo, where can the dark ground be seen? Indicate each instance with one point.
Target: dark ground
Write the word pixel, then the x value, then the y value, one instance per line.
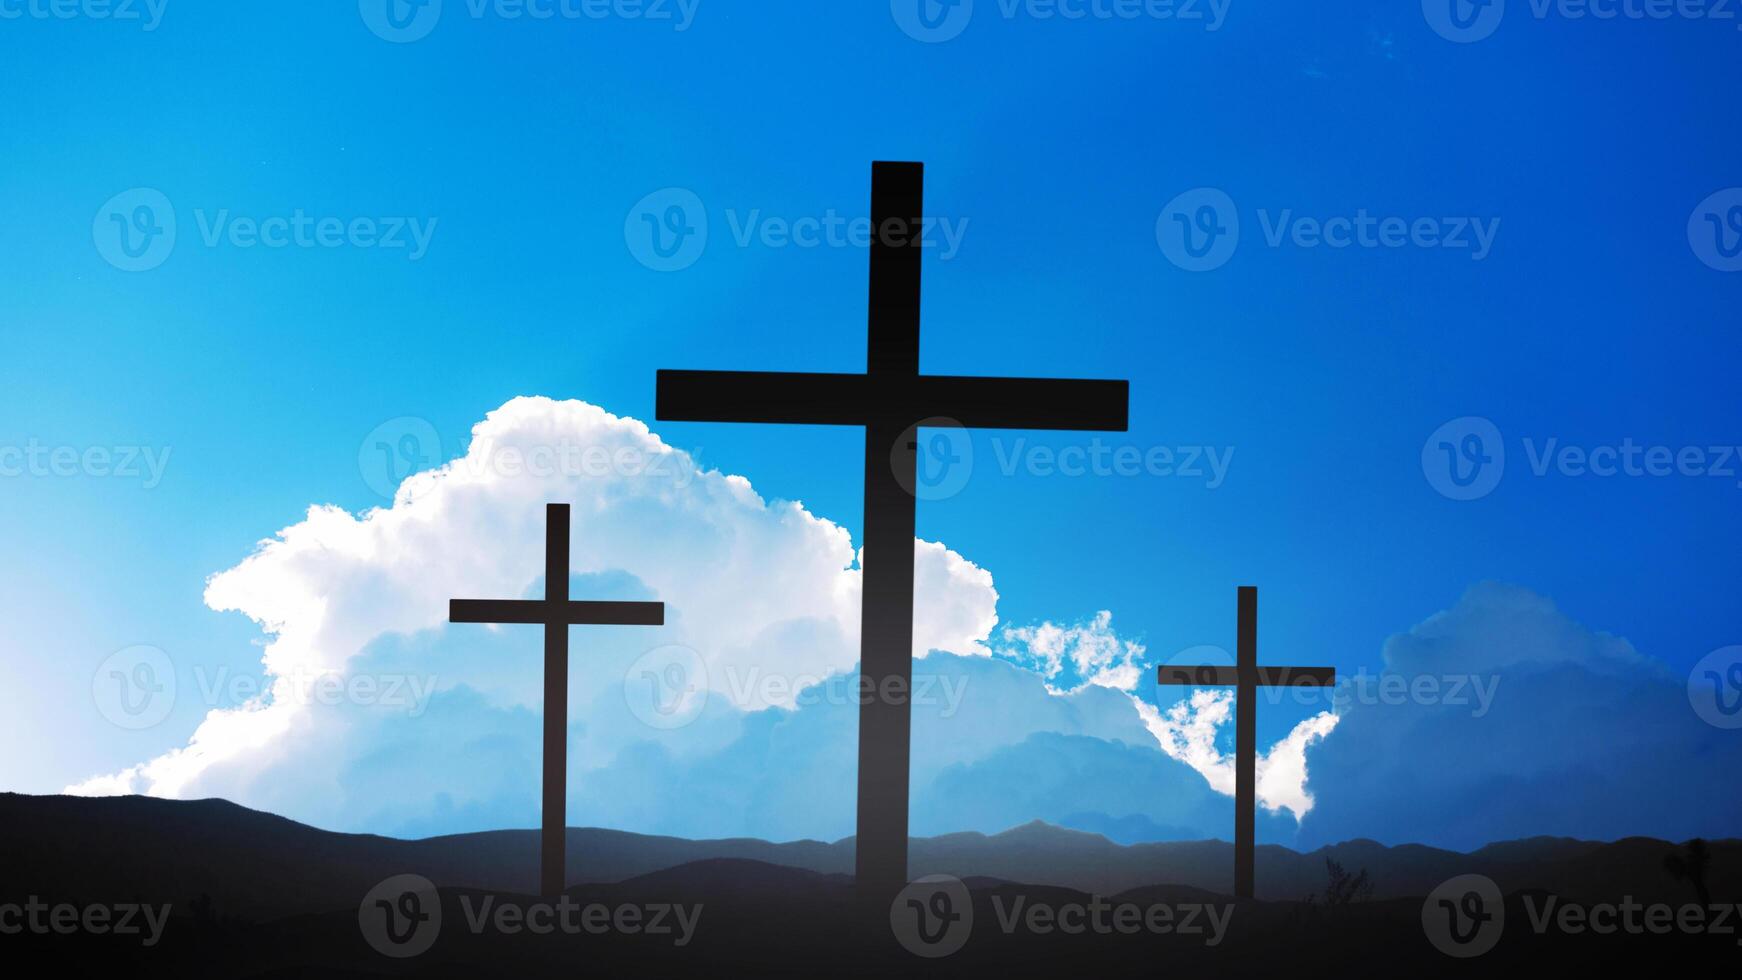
pixel 256 896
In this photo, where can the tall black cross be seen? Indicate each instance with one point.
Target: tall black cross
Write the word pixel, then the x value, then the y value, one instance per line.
pixel 889 400
pixel 556 613
pixel 1246 677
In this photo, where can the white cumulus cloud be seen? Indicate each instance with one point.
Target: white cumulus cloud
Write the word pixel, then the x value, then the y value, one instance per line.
pixel 755 587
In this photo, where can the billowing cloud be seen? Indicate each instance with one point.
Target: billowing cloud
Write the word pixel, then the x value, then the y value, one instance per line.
pixel 1191 730
pixel 762 605
pixel 1085 653
pixel 740 715
pixel 1508 719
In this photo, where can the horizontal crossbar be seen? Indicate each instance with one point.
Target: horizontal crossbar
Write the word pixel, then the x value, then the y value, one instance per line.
pixel 862 399
pixel 532 611
pixel 1211 676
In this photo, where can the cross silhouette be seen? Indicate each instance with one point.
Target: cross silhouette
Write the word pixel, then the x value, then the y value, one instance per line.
pixel 891 399
pixel 1246 677
pixel 556 612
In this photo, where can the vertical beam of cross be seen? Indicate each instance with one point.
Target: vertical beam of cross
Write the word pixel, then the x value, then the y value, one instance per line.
pixel 890 400
pixel 1246 744
pixel 553 847
pixel 1246 677
pixel 556 613
pixel 886 603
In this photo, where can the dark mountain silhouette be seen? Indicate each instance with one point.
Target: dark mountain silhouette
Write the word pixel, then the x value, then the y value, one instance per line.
pixel 123 845
pixel 258 895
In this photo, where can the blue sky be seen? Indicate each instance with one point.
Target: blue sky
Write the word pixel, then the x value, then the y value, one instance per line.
pixel 524 146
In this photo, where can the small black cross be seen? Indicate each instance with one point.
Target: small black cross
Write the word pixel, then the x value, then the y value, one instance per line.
pixel 1246 677
pixel 556 612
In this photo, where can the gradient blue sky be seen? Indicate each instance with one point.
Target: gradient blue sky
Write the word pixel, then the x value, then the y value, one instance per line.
pixel 1060 142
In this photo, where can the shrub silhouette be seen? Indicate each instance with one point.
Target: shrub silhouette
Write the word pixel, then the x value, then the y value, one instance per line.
pixel 1691 867
pixel 1344 888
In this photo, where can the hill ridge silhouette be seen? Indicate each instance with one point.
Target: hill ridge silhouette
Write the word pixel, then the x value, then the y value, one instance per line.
pixel 259 866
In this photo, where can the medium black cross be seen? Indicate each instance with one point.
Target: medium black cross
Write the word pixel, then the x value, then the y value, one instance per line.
pixel 1246 677
pixel 890 399
pixel 556 613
